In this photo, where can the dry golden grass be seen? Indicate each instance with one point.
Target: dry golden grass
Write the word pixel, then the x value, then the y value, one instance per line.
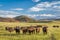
pixel 53 33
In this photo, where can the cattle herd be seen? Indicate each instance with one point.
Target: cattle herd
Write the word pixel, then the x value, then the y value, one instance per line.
pixel 29 29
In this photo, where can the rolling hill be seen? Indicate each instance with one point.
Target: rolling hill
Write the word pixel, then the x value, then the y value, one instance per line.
pixel 7 19
pixel 23 18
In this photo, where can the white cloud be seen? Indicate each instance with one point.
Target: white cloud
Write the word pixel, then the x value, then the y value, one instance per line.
pixel 41 15
pixel 40 7
pixel 56 2
pixel 3 12
pixel 48 15
pixel 18 9
pixel 45 6
pixel 35 0
pixel 10 14
pixel 33 15
pixel 58 7
pixel 36 9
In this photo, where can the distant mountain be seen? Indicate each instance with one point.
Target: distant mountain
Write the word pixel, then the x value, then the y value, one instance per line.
pixel 23 18
pixel 46 18
pixel 57 19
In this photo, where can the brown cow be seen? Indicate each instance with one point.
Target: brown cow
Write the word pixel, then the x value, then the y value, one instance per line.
pixel 37 29
pixel 24 30
pixel 31 30
pixel 10 29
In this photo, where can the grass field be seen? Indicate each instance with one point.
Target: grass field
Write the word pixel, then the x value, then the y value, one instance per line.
pixel 53 33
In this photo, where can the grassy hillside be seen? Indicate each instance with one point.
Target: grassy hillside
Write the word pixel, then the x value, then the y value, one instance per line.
pixel 7 19
pixel 23 18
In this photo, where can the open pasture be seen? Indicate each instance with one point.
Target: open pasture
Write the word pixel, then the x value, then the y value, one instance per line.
pixel 53 33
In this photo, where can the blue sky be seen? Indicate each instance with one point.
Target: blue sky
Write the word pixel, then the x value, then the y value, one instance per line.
pixel 33 8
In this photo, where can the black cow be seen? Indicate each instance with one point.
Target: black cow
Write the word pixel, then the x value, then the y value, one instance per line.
pixel 17 29
pixel 45 29
pixel 55 26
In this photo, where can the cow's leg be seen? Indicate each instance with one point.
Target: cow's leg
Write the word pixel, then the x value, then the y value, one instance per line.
pixel 24 31
pixel 33 31
pixel 29 32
